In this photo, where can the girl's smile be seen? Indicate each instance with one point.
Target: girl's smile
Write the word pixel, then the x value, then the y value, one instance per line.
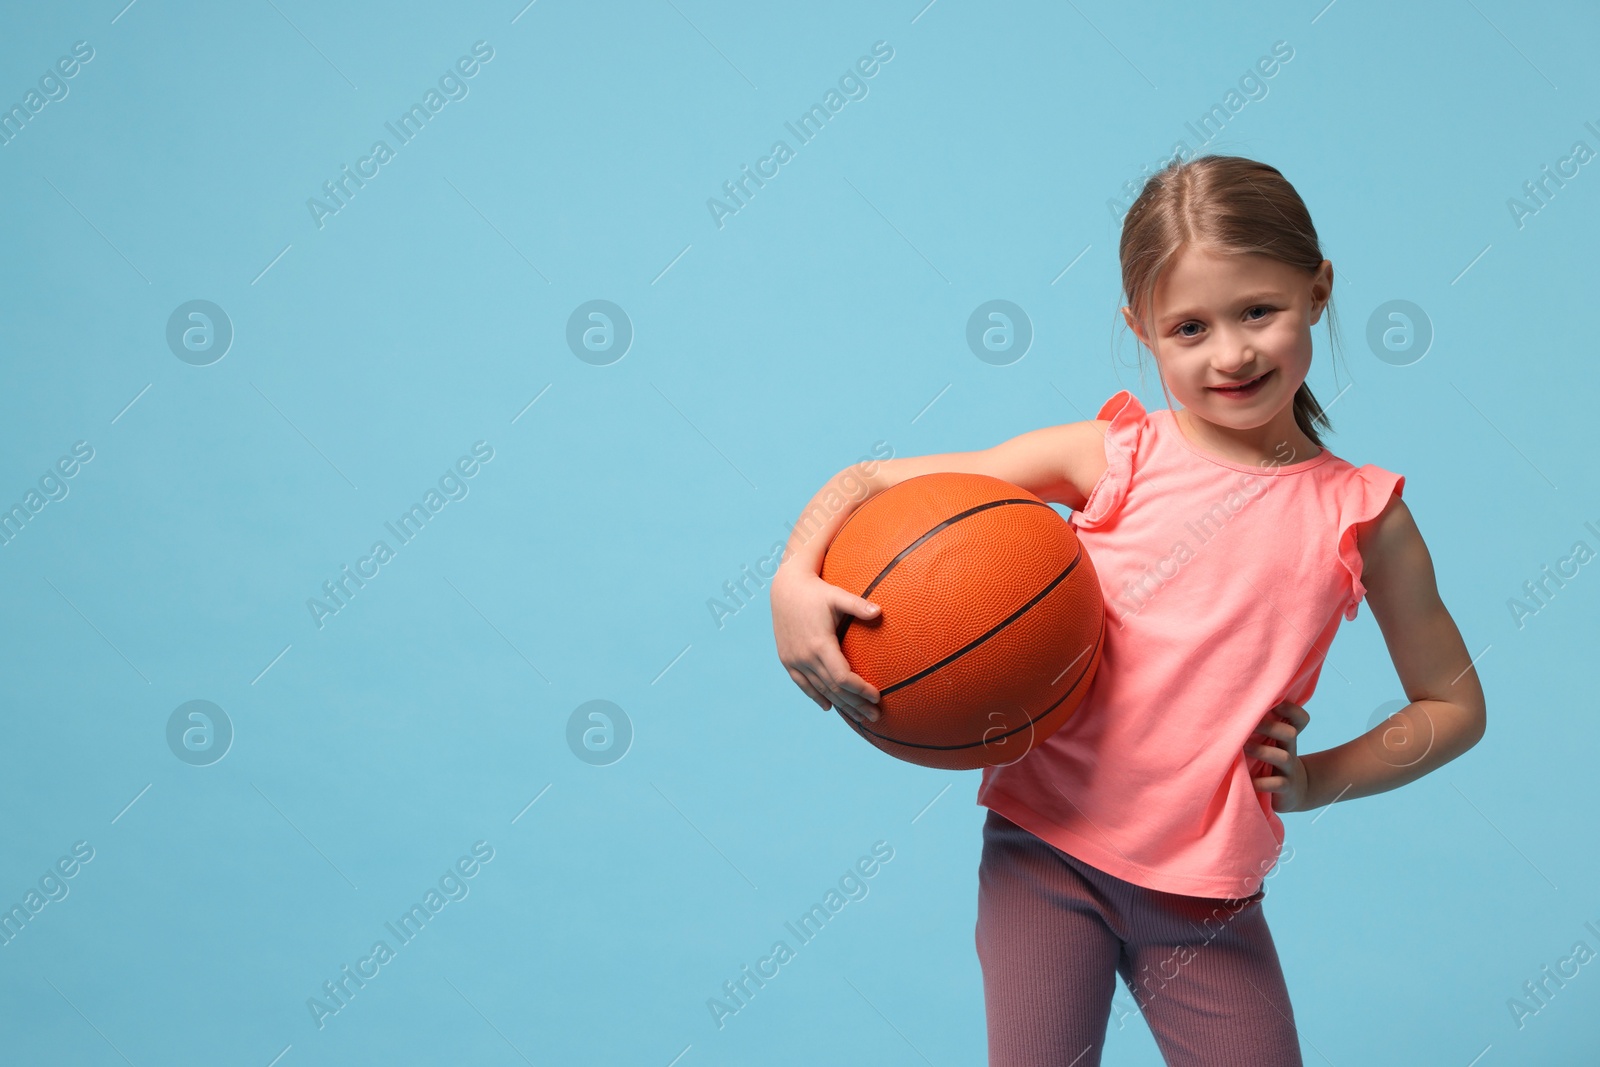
pixel 1244 390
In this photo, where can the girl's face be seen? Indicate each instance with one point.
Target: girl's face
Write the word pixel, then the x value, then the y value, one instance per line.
pixel 1226 319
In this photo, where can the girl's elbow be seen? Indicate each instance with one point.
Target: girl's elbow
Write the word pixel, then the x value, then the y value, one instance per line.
pixel 1475 722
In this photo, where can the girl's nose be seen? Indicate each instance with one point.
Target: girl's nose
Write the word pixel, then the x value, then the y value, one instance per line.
pixel 1239 357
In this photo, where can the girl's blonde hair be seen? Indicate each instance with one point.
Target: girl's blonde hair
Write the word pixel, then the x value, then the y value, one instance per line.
pixel 1231 205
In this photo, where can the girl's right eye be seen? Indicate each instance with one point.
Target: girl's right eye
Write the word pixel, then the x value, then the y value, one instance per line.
pixel 1181 329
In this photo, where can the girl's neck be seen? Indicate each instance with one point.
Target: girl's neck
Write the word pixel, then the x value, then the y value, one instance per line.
pixel 1276 443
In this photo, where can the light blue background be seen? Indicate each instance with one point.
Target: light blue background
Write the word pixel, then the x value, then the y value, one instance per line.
pixel 826 315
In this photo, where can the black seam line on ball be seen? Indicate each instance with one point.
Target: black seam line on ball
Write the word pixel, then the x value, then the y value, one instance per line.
pixel 903 553
pixel 1099 640
pixel 981 638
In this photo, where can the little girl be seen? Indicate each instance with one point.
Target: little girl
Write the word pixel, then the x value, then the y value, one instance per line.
pixel 1229 543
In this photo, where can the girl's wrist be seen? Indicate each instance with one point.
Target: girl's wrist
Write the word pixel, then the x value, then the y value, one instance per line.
pixel 794 566
pixel 1313 798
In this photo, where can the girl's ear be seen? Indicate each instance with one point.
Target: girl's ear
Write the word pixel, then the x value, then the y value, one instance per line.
pixel 1321 290
pixel 1133 324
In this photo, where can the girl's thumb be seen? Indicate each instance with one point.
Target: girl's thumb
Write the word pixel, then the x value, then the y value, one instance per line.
pixel 847 602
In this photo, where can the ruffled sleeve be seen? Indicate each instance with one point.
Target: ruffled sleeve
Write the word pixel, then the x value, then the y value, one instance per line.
pixel 1365 498
pixel 1127 417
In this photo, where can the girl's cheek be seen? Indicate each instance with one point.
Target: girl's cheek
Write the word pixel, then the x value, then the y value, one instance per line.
pixel 1293 339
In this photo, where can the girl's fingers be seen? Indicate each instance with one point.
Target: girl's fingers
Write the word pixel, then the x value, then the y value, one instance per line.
pixel 860 607
pixel 846 686
pixel 1280 730
pixel 808 689
pixel 1268 753
pixel 1274 784
pixel 1296 715
pixel 844 700
pixel 846 680
pixel 866 715
pixel 820 687
pixel 1293 716
pixel 864 710
pixel 815 691
pixel 851 703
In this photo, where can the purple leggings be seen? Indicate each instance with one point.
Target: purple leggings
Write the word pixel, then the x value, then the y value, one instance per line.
pixel 1051 930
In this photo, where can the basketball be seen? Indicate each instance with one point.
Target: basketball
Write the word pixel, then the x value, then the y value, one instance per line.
pixel 991 625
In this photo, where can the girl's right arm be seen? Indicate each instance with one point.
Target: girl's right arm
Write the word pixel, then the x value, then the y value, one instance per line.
pixel 1058 464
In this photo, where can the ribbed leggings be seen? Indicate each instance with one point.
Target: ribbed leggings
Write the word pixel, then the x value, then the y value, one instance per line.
pixel 1052 930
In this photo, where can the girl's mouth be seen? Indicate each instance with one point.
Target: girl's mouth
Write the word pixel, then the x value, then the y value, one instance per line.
pixel 1246 391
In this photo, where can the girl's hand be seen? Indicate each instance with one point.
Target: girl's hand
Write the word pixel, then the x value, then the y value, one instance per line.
pixel 1289 786
pixel 806 612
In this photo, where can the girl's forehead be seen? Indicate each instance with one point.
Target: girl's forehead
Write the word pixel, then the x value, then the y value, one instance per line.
pixel 1199 263
pixel 1199 274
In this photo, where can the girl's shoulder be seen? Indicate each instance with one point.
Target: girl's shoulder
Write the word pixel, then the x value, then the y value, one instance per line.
pixel 1122 408
pixel 1369 493
pixel 1106 474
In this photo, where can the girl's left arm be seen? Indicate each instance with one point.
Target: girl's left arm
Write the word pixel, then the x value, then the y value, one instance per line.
pixel 1446 714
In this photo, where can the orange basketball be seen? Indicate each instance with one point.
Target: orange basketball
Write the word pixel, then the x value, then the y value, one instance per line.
pixel 992 621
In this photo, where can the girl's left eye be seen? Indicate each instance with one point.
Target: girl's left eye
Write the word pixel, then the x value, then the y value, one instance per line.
pixel 1261 308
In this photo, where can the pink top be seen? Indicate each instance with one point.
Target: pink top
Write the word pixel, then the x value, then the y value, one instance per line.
pixel 1224 584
